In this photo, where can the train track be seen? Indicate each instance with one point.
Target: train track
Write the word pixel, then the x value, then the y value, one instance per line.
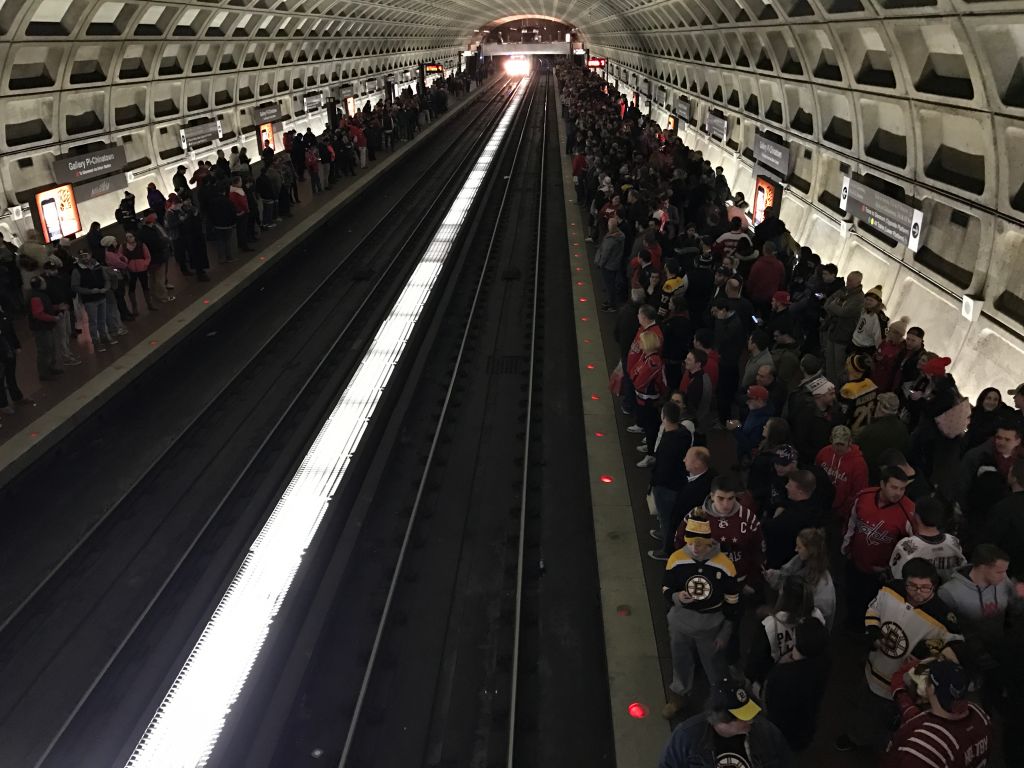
pixel 163 550
pixel 422 535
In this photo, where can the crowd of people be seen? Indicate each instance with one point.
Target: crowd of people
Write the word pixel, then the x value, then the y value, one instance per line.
pixel 92 284
pixel 857 490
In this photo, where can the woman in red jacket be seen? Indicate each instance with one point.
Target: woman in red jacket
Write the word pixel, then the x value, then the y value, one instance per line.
pixel 648 377
pixel 136 256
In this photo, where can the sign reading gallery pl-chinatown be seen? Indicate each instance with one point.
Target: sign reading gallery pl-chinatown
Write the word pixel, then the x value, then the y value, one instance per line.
pixel 312 103
pixel 886 214
pixel 716 127
pixel 771 155
pixel 74 169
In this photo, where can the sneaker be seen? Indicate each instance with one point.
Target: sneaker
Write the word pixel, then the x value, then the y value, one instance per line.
pixel 642 448
pixel 609 309
pixel 100 348
pixel 625 410
pixel 72 361
pixel 643 440
pixel 169 287
pixel 646 461
pixel 169 299
pixel 655 534
pixel 844 743
pixel 635 429
pixel 122 331
pixel 656 555
pixel 111 342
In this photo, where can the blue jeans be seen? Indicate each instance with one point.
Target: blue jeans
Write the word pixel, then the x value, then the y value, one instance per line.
pixel 97 312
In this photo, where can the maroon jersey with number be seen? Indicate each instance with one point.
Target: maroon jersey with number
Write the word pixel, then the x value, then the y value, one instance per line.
pixel 740 537
pixel 927 741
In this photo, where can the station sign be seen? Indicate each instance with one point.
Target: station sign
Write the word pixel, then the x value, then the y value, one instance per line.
pixel 597 62
pixel 433 69
pixel 312 103
pixel 72 169
pixel 886 214
pixel 269 113
pixel 771 155
pixel 716 127
pixel 197 134
pixel 93 189
pixel 683 109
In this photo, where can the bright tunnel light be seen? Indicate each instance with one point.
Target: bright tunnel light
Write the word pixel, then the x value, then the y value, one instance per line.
pixel 186 726
pixel 517 67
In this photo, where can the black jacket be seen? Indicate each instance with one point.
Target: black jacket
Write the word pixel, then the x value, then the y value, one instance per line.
pixel 668 471
pixel 792 696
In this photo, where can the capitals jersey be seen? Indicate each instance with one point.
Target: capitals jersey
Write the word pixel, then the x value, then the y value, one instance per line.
pixel 739 535
pixel 903 629
pixel 942 551
pixel 925 740
pixel 874 529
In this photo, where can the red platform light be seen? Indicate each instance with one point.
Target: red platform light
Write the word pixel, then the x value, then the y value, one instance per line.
pixel 580 282
pixel 591 366
pixel 586 341
pixel 583 299
pixel 206 301
pixel 595 397
pixel 607 479
pixel 599 434
pixel 638 711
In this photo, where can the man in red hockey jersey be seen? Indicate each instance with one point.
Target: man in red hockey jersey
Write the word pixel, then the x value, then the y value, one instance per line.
pixel 879 519
pixel 944 730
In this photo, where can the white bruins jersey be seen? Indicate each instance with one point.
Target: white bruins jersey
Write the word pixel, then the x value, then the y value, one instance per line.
pixel 903 628
pixel 942 551
pixel 781 632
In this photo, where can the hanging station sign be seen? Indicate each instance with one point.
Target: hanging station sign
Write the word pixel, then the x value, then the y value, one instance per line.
pixel 313 102
pixel 196 134
pixel 93 189
pixel 683 108
pixel 433 69
pixel 716 127
pixel 597 62
pixel 771 155
pixel 886 214
pixel 268 113
pixel 73 169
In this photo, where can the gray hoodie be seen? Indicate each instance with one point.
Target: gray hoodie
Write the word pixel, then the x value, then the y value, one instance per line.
pixel 981 610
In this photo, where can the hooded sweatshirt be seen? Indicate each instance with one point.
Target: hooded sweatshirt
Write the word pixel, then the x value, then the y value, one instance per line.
pixel 981 610
pixel 848 473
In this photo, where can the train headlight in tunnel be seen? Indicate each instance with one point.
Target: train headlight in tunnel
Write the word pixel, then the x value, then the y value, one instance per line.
pixel 517 67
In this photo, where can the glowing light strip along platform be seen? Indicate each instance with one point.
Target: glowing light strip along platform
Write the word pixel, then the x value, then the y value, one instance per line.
pixel 188 723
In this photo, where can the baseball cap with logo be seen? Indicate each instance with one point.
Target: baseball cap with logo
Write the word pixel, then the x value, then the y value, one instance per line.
pixel 727 695
pixel 1018 391
pixel 785 454
pixel 950 682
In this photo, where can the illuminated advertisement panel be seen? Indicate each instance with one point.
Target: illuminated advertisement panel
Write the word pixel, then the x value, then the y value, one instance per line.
pixel 58 213
pixel 267 136
pixel 766 194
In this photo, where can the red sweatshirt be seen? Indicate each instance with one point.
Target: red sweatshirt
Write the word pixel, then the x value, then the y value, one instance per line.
pixel 740 537
pixel 711 369
pixel 767 275
pixel 39 313
pixel 848 473
pixel 636 351
pixel 873 531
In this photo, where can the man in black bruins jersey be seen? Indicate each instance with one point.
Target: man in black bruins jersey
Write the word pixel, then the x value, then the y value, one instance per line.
pixel 703 596
pixel 858 396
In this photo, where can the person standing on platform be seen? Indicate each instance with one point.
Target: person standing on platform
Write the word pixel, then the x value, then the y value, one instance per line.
pixel 842 309
pixel 668 476
pixel 42 320
pixel 879 519
pixel 10 349
pixel 731 733
pixel 929 542
pixel 700 588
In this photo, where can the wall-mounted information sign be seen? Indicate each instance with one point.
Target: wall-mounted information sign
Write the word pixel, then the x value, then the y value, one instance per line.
pixel 312 103
pixel 683 108
pixel 58 213
pixel 72 169
pixel 433 69
pixel 596 62
pixel 197 134
pixel 771 155
pixel 93 189
pixel 270 113
pixel 717 127
pixel 886 214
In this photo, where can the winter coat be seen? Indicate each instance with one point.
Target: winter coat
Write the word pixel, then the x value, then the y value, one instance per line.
pixel 767 275
pixel 842 310
pixel 136 259
pixel 692 745
pixel 881 434
pixel 609 253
